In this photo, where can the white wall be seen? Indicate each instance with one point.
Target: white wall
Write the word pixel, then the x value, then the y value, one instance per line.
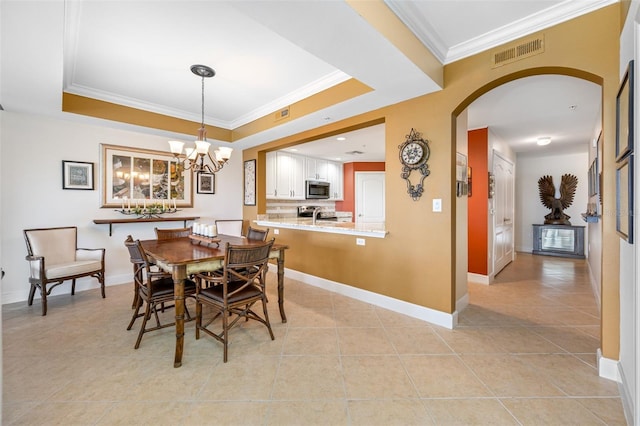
pixel 529 209
pixel 629 254
pixel 31 155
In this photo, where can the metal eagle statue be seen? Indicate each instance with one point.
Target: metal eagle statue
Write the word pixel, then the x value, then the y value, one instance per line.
pixel 568 186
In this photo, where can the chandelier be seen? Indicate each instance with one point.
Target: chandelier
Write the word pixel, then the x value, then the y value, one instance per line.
pixel 199 159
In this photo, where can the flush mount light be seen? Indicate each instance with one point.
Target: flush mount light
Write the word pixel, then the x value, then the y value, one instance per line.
pixel 341 138
pixel 544 141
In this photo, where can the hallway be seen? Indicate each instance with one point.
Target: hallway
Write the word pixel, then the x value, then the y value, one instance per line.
pixel 524 353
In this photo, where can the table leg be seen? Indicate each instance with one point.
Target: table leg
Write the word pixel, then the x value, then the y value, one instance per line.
pixel 179 274
pixel 281 285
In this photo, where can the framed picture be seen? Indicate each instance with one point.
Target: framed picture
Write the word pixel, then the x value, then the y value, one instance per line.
pixel 624 198
pixel 77 175
pixel 624 115
pixel 206 183
pixel 137 175
pixel 250 183
pixel 593 178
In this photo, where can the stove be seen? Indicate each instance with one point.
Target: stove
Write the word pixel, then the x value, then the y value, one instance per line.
pixel 307 211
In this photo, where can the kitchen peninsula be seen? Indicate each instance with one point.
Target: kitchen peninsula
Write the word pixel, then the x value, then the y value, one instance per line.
pixel 375 230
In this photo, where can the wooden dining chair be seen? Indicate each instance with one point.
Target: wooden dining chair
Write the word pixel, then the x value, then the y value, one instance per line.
pixel 166 234
pixel 257 234
pixel 154 288
pixel 241 285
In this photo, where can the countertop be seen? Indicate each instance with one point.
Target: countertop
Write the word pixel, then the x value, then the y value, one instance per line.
pixel 375 230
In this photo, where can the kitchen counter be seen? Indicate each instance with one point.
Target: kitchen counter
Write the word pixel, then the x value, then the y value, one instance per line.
pixel 375 230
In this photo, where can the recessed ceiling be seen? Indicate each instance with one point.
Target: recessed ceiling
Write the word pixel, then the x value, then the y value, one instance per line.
pixel 267 54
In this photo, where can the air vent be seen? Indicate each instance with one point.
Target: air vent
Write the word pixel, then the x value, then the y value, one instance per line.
pixel 282 114
pixel 515 52
pixel 354 152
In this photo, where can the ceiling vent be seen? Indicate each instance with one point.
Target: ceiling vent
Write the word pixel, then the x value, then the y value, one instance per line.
pixel 282 114
pixel 515 52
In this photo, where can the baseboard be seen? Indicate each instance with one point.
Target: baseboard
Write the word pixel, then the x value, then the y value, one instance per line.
pixel 594 287
pixel 416 311
pixel 82 284
pixel 462 303
pixel 626 396
pixel 608 368
pixel 478 278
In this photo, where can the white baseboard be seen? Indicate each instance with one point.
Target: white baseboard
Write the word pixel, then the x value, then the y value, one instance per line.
pixel 608 368
pixel 416 311
pixel 477 278
pixel 462 303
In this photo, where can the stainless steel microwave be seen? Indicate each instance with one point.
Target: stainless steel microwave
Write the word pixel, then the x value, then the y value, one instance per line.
pixel 316 190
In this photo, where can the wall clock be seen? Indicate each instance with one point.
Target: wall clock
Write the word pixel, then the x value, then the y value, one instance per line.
pixel 414 153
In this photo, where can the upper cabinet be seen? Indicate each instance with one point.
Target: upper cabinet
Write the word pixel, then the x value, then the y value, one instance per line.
pixel 285 176
pixel 316 169
pixel 287 173
pixel 335 176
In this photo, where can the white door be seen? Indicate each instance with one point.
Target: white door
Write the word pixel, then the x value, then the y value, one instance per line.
pixel 503 213
pixel 369 194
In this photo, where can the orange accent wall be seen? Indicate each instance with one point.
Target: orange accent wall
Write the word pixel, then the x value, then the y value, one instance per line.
pixel 478 202
pixel 349 175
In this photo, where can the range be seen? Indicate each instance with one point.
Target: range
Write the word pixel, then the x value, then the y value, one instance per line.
pixel 308 211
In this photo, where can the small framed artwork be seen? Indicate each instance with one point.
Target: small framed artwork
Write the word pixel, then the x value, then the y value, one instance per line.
pixel 250 183
pixel 624 199
pixel 77 175
pixel 206 183
pixel 624 115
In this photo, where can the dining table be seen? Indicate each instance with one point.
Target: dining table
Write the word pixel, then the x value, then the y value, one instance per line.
pixel 189 255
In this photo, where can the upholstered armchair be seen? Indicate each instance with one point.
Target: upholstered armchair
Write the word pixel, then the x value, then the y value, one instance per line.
pixel 54 257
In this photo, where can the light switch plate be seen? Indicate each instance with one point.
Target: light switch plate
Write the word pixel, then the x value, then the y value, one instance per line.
pixel 437 204
pixel 360 241
pixel 276 231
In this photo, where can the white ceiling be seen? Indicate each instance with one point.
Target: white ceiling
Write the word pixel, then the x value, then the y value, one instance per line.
pixel 269 54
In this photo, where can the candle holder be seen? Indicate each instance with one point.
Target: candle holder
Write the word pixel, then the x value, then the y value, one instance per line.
pixel 150 212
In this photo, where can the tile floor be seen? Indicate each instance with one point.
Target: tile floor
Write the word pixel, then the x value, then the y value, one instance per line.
pixel 524 353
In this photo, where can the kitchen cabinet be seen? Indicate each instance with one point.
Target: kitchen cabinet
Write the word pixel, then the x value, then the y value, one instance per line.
pixel 336 180
pixel 285 176
pixel 316 169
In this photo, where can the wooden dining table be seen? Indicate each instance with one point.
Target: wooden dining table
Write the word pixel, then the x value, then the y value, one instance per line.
pixel 185 256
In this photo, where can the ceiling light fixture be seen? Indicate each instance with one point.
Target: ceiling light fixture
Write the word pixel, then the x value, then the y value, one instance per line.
pixel 194 159
pixel 341 138
pixel 544 141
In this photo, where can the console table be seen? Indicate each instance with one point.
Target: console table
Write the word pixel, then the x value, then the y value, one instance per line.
pixel 559 240
pixel 110 222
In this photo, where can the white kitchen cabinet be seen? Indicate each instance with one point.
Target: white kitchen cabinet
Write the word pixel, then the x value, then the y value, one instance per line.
pixel 316 169
pixel 336 180
pixel 285 176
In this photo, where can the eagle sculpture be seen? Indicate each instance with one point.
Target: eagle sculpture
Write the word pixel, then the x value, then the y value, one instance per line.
pixel 568 186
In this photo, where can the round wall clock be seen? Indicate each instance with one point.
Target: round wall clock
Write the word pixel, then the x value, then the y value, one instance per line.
pixel 414 153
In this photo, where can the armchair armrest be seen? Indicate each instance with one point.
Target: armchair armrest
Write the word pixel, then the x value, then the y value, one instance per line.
pixel 36 266
pixel 90 254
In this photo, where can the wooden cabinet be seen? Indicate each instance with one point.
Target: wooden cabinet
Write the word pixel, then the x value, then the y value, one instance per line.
pixel 285 176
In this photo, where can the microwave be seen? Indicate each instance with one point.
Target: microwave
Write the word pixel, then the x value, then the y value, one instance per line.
pixel 316 190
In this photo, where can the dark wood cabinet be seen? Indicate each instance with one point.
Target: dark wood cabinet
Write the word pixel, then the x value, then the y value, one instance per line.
pixel 559 240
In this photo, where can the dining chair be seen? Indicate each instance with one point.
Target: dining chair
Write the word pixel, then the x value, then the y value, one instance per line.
pixel 154 288
pixel 257 234
pixel 229 227
pixel 165 234
pixel 241 285
pixel 54 257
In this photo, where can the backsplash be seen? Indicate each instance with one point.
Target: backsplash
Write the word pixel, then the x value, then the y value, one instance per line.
pixel 279 209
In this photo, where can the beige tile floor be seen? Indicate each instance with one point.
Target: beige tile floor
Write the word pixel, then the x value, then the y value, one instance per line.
pixel 524 353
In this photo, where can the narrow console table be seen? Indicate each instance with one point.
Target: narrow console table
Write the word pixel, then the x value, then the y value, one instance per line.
pixel 559 240
pixel 110 222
